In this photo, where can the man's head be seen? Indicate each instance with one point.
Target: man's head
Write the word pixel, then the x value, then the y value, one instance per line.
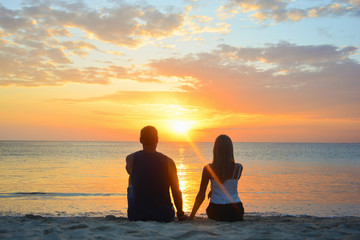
pixel 149 136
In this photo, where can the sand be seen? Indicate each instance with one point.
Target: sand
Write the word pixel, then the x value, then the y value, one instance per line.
pixel 253 227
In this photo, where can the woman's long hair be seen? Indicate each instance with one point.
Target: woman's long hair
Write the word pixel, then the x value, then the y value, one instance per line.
pixel 223 162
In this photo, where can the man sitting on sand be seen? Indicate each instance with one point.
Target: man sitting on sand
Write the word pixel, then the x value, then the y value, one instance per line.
pixel 151 175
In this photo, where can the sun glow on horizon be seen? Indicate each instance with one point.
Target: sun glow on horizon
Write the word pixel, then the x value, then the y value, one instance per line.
pixel 181 127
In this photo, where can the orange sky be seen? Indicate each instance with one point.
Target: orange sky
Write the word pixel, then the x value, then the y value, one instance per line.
pixel 101 70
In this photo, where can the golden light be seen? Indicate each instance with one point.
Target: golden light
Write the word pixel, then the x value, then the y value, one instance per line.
pixel 181 126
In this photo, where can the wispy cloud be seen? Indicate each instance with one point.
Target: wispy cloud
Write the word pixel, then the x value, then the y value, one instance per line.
pixel 268 11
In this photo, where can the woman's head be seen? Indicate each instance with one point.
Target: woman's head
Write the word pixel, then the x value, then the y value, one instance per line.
pixel 223 157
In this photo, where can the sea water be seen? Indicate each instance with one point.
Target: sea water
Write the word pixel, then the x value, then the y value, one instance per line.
pixel 89 178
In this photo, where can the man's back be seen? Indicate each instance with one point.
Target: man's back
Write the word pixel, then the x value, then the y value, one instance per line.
pixel 150 182
pixel 151 176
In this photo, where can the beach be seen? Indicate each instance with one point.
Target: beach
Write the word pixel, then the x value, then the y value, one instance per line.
pixel 111 227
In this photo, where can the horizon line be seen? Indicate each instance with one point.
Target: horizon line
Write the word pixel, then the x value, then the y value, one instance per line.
pixel 19 140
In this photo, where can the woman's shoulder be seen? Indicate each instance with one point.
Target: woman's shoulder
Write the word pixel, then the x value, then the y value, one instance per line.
pixel 238 170
pixel 238 165
pixel 208 169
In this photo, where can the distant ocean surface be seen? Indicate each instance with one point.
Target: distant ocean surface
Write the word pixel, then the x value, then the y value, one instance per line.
pixel 89 178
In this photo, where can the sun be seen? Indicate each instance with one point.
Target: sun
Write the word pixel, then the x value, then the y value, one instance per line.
pixel 181 126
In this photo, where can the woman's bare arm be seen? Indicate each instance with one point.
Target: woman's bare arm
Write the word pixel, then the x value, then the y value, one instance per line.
pixel 205 177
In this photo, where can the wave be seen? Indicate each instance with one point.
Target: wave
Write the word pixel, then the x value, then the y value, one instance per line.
pixel 56 194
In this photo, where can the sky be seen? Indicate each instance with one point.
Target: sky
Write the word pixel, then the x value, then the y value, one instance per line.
pixel 256 70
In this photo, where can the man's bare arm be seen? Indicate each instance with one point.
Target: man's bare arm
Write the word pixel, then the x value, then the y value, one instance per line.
pixel 129 163
pixel 175 188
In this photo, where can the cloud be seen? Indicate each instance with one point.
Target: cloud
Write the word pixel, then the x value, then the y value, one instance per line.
pixel 34 71
pixel 140 97
pixel 36 48
pixel 160 107
pixel 76 45
pixel 283 78
pixel 242 88
pixel 26 62
pixel 316 81
pixel 158 24
pixel 287 54
pixel 10 20
pixel 267 11
pixel 202 24
pixel 80 48
pixel 123 24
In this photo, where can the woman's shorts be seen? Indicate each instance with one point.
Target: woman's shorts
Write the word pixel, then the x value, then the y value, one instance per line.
pixel 226 212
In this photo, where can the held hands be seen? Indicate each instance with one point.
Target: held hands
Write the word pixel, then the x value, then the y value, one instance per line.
pixel 181 216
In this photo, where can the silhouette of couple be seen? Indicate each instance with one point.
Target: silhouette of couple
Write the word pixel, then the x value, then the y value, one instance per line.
pixel 152 174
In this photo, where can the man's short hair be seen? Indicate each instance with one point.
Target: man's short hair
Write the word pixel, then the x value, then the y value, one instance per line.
pixel 149 135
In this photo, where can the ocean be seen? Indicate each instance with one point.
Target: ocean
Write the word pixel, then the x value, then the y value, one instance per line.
pixel 89 178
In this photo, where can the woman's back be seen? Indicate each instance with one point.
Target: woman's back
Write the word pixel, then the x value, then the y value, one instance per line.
pixel 224 174
pixel 226 192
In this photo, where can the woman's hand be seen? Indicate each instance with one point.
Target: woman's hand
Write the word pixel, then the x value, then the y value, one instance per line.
pixel 181 216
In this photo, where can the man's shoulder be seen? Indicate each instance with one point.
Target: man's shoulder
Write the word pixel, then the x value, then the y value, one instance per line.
pixel 131 156
pixel 162 155
pixel 166 157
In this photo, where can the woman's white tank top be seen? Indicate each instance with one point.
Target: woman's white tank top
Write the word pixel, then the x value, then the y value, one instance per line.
pixel 226 192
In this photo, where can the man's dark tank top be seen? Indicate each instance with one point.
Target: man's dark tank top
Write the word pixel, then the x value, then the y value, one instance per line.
pixel 150 182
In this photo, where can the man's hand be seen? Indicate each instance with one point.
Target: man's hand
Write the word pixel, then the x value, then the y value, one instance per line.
pixel 181 216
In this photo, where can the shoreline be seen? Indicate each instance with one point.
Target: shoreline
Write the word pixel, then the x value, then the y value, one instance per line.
pixel 111 227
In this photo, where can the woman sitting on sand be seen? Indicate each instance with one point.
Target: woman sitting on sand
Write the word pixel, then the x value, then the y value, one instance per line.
pixel 224 174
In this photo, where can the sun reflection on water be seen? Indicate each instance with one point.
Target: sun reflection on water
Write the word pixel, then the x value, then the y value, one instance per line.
pixel 184 180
